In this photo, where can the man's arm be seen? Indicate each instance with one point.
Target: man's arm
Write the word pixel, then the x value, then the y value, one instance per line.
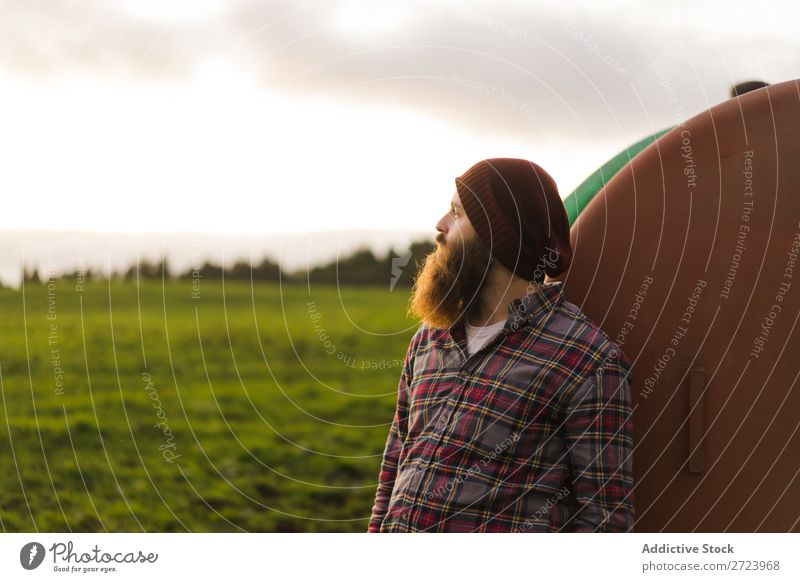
pixel 394 444
pixel 599 433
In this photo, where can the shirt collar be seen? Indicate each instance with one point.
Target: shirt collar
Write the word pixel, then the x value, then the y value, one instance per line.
pixel 524 310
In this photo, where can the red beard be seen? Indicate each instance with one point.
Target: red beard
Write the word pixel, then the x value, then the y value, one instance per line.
pixel 449 283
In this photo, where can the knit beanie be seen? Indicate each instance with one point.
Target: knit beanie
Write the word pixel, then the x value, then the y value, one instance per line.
pixel 515 208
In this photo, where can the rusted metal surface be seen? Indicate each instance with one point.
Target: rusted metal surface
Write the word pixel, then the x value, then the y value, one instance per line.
pixel 689 260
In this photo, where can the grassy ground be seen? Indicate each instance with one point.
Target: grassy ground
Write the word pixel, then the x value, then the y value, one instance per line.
pixel 145 408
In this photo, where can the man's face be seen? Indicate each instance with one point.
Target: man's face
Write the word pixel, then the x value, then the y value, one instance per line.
pixel 451 277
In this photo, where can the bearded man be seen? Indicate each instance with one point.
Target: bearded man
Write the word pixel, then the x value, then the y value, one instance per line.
pixel 513 409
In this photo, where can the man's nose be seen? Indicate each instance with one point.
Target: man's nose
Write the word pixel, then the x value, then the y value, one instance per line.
pixel 441 226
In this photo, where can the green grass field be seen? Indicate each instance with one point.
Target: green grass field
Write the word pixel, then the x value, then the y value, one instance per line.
pixel 143 408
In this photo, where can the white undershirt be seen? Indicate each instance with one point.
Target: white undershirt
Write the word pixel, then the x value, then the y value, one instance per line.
pixel 478 336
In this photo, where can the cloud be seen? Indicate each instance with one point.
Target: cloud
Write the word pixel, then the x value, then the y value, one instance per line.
pixel 574 71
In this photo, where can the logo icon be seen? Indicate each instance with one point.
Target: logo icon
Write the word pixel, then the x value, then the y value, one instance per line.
pixel 31 555
pixel 397 268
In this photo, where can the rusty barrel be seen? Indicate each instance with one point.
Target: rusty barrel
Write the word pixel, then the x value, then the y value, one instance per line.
pixel 689 259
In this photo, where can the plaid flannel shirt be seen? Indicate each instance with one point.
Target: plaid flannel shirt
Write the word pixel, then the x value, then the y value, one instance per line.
pixel 531 433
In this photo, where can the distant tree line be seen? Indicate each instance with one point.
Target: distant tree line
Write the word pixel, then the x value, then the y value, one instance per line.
pixel 361 267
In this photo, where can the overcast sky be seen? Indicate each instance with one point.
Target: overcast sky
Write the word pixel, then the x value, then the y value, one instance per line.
pixel 229 116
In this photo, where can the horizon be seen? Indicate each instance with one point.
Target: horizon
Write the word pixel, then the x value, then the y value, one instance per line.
pixel 76 248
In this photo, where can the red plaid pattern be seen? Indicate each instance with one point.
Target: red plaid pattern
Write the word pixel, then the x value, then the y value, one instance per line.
pixel 532 433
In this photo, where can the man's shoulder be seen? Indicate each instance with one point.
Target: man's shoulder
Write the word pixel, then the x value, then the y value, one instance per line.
pixel 573 326
pixel 422 338
pixel 426 334
pixel 421 335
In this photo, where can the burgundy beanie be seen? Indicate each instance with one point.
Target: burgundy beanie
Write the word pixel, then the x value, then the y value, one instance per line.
pixel 515 208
